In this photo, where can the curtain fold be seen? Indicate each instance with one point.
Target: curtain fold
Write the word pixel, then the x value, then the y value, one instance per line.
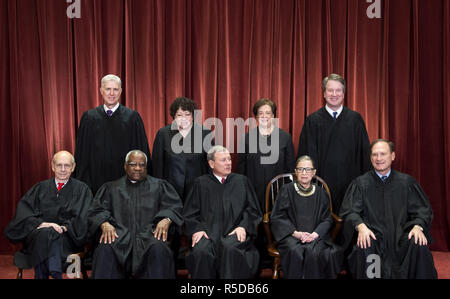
pixel 225 55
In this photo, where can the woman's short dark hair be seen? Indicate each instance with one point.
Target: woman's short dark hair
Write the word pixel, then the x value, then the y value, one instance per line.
pixel 262 102
pixel 185 104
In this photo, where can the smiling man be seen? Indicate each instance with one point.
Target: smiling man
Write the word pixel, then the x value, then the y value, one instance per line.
pixel 130 218
pixel 392 216
pixel 222 214
pixel 335 137
pixel 105 135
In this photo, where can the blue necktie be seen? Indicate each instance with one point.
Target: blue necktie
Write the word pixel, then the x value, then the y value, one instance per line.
pixel 109 112
pixel 384 178
pixel 335 115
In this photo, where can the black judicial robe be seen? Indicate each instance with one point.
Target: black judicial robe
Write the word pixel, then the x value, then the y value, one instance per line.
pixel 103 142
pixel 218 209
pixel 134 210
pixel 340 149
pixel 249 164
pixel 180 169
pixel 292 212
pixel 43 203
pixel 390 209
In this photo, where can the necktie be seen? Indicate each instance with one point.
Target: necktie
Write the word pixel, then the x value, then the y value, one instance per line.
pixel 335 115
pixel 60 186
pixel 383 178
pixel 109 112
pixel 223 181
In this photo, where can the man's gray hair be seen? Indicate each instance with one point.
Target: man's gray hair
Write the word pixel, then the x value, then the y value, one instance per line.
pixel 135 152
pixel 111 77
pixel 215 149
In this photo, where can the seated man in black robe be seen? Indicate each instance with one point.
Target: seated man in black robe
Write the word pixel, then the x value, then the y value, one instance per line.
pixel 133 215
pixel 393 217
pixel 221 214
pixel 300 222
pixel 51 220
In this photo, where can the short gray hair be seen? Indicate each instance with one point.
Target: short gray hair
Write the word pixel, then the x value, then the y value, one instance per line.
pixel 215 149
pixel 135 152
pixel 334 77
pixel 111 77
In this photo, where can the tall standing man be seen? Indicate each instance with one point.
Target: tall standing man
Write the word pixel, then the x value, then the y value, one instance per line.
pixel 105 135
pixel 335 137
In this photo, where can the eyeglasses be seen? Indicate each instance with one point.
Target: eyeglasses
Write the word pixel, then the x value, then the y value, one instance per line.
pixel 306 169
pixel 134 164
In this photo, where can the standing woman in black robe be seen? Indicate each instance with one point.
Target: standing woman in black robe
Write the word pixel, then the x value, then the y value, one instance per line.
pixel 252 165
pixel 300 222
pixel 179 156
pixel 178 152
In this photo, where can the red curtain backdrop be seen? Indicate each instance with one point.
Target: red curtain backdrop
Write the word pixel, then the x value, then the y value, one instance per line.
pixel 225 55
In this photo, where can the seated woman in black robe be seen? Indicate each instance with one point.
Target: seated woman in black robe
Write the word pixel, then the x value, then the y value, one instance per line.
pixel 300 222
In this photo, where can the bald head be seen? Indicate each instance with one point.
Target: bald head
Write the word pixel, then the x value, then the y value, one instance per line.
pixel 63 164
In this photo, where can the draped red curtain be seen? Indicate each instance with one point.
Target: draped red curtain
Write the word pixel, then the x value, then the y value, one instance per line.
pixel 225 55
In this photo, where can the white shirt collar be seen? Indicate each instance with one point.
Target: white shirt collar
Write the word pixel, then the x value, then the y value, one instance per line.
pixel 331 110
pixel 219 178
pixel 113 109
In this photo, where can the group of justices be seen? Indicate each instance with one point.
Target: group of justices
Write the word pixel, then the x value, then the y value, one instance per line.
pixel 143 205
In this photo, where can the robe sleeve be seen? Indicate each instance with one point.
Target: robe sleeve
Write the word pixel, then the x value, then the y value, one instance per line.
pixel 170 204
pixel 99 211
pixel 82 151
pixel 191 210
pixel 77 226
pixel 326 220
pixel 27 217
pixel 252 215
pixel 363 147
pixel 158 155
pixel 281 224
pixel 307 144
pixel 419 208
pixel 351 212
pixel 141 141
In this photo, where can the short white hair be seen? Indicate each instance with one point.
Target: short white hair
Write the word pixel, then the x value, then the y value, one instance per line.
pixel 111 77
pixel 135 152
pixel 216 149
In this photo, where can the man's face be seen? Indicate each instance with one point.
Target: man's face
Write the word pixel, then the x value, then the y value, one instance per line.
pixel 334 94
pixel 381 157
pixel 136 168
pixel 264 116
pixel 111 92
pixel 62 166
pixel 222 164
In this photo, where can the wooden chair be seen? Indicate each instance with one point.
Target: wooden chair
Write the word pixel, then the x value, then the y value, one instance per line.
pixel 271 194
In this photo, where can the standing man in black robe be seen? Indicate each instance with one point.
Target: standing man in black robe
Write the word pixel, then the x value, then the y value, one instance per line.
pixel 221 215
pixel 132 215
pixel 336 138
pixel 51 220
pixel 393 217
pixel 105 135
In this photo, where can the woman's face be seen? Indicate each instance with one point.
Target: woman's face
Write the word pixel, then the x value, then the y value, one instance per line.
pixel 305 172
pixel 264 116
pixel 183 118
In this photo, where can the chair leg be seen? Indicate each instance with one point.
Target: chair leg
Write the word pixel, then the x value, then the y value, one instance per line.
pixel 19 273
pixel 276 265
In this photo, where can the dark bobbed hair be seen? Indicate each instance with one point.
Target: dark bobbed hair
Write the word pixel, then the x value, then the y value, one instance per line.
pixel 262 102
pixel 185 104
